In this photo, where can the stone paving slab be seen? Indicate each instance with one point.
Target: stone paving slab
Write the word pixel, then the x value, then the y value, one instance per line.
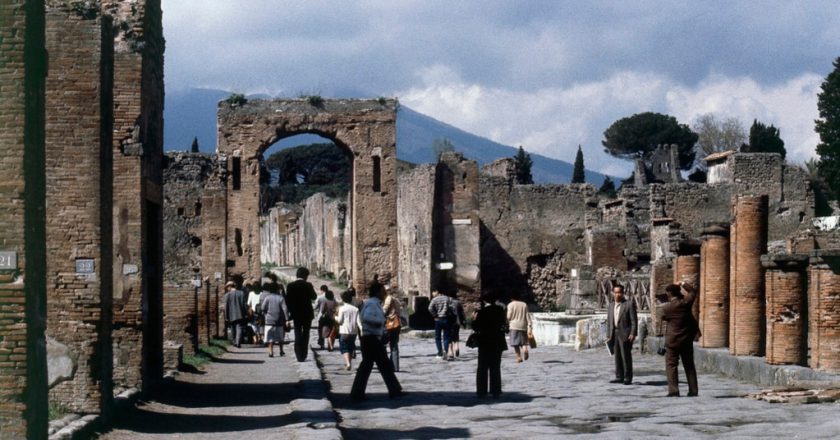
pixel 244 394
pixel 559 393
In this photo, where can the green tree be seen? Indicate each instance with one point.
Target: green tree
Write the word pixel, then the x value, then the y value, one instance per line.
pixel 579 173
pixel 638 136
pixel 441 145
pixel 194 146
pixel 764 139
pixel 715 135
pixel 523 163
pixel 607 188
pixel 828 127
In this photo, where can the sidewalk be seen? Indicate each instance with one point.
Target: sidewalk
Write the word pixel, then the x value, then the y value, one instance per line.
pixel 244 394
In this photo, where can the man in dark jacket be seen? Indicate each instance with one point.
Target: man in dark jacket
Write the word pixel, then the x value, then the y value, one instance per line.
pixel 622 328
pixel 299 297
pixel 680 333
pixel 236 311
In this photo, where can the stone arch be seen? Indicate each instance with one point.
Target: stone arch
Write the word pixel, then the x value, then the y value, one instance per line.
pixel 365 128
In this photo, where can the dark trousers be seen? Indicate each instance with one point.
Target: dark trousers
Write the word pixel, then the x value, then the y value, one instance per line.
pixel 489 363
pixel 442 328
pixel 302 339
pixel 373 350
pixel 393 337
pixel 672 362
pixel 237 331
pixel 623 358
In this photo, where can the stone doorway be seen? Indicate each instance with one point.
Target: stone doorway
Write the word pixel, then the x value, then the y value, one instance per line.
pixel 364 128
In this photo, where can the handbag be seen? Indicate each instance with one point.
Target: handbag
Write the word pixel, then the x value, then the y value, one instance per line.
pixel 393 323
pixel 531 340
pixel 333 332
pixel 472 340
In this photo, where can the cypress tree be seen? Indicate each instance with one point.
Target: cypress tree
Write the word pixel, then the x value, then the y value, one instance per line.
pixel 828 127
pixel 523 167
pixel 579 173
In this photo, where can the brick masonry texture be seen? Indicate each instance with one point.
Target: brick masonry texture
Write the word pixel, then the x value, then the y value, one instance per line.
pixel 747 308
pixel 78 109
pixel 137 152
pixel 23 388
pixel 785 287
pixel 365 128
pixel 687 270
pixel 714 290
pixel 194 213
pixel 824 313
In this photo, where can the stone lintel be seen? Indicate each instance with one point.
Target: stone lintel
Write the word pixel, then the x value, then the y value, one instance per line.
pixel 784 262
pixel 825 257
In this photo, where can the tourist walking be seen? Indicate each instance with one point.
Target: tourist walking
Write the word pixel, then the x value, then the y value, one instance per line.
pixel 254 311
pixel 347 320
pixel 459 320
pixel 236 312
pixel 373 351
pixel 489 326
pixel 393 310
pixel 519 323
pixel 441 310
pixel 276 314
pixel 299 297
pixel 322 296
pixel 680 333
pixel 622 327
pixel 326 323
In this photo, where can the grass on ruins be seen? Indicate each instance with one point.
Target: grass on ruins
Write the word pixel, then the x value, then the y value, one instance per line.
pixel 56 411
pixel 206 353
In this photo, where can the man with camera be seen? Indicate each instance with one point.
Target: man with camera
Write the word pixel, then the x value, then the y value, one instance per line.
pixel 680 333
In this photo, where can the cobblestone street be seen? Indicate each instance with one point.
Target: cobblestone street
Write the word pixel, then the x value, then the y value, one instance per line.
pixel 559 393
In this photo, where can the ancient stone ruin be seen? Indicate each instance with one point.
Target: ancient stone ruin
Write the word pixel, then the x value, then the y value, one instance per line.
pixel 114 254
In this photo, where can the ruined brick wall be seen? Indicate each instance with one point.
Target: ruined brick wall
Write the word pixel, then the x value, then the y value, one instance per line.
pixel 137 153
pixel 456 229
pixel 79 200
pixel 367 128
pixel 691 204
pixel 824 313
pixel 415 202
pixel 522 221
pixel 194 227
pixel 714 288
pixel 785 290
pixel 324 228
pixel 661 274
pixel 605 247
pixel 746 280
pixel 23 373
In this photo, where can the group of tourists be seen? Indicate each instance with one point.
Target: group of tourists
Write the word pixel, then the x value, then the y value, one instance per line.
pixel 377 322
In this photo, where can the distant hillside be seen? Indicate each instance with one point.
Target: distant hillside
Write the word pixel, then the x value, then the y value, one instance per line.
pixel 192 113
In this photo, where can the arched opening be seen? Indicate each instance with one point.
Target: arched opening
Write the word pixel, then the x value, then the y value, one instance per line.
pixel 305 182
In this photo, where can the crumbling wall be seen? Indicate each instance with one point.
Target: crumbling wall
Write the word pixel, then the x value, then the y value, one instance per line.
pixel 194 223
pixel 521 221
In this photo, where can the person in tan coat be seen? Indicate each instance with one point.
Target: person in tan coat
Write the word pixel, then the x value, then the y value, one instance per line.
pixel 519 323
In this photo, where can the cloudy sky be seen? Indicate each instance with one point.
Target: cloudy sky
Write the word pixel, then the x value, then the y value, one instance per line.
pixel 547 75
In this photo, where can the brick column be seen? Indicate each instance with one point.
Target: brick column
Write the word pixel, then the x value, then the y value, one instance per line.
pixel 661 274
pixel 137 151
pixel 824 311
pixel 785 289
pixel 79 203
pixel 749 242
pixel 714 286
pixel 23 372
pixel 687 270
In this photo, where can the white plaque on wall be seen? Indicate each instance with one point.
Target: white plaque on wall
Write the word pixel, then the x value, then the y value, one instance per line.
pixel 461 221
